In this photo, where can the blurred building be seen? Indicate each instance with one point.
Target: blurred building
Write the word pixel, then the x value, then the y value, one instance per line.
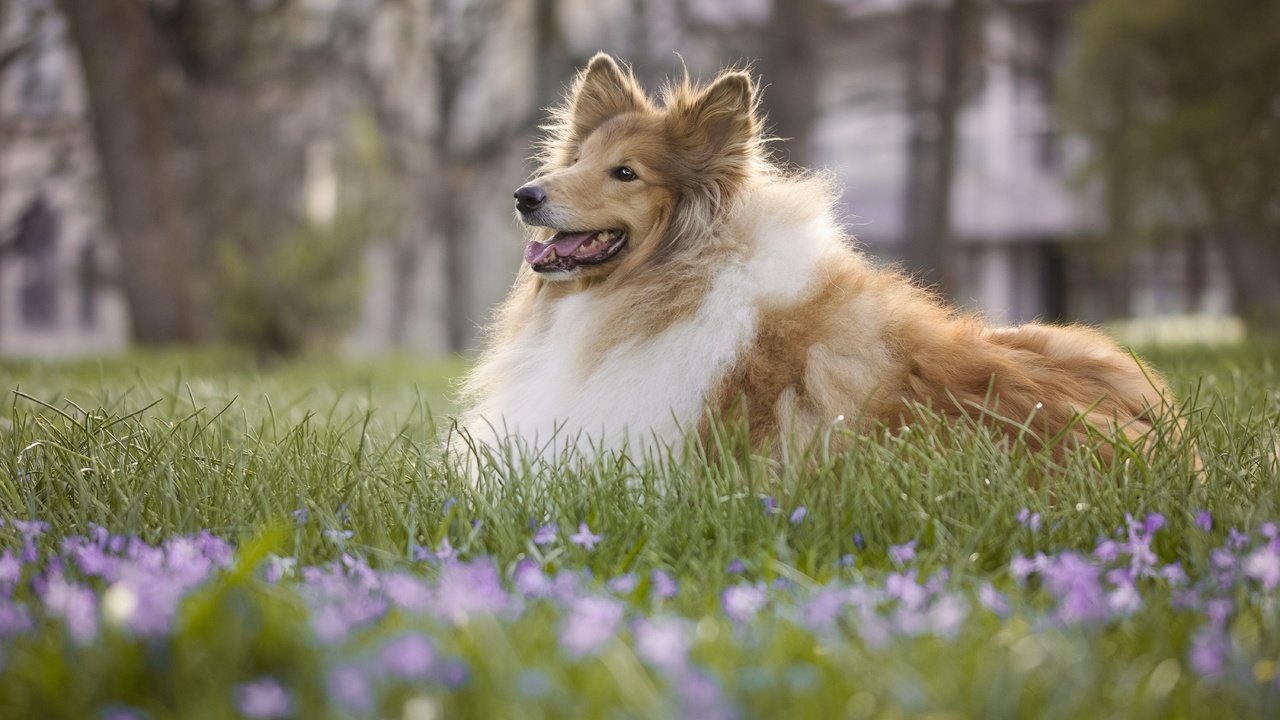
pixel 56 296
pixel 1027 243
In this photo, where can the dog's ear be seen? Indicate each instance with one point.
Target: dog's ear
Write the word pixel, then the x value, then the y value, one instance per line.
pixel 602 91
pixel 721 120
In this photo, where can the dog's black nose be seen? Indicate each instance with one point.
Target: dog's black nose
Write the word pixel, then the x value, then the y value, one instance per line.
pixel 530 198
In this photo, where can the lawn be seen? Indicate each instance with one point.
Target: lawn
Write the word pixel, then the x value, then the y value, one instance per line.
pixel 195 537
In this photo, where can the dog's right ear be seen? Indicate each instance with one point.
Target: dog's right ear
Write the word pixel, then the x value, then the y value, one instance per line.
pixel 602 91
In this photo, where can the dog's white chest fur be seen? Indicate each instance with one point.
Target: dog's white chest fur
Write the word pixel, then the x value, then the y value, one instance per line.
pixel 548 391
pixel 640 391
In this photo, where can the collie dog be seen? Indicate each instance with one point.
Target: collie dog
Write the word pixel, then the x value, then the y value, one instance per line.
pixel 673 273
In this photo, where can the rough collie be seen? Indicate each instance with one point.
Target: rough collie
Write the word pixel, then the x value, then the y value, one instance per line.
pixel 673 272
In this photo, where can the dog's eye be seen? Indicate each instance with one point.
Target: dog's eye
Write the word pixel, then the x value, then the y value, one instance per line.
pixel 623 173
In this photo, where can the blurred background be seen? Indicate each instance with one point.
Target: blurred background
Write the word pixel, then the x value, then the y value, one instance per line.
pixel 297 176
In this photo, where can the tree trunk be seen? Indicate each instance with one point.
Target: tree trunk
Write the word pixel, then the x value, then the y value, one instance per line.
pixel 789 66
pixel 934 109
pixel 1252 261
pixel 135 144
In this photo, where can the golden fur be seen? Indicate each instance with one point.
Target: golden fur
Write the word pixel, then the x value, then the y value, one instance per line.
pixel 727 249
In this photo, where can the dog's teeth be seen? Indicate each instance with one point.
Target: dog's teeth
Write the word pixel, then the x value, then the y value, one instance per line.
pixel 602 236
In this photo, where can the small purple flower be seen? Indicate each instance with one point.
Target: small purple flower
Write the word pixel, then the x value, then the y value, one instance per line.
pixel 350 688
pixel 448 505
pixel 14 617
pixel 1263 565
pixel 444 551
pixel 736 567
pixel 409 657
pixel 1152 523
pixel 338 536
pixel 300 516
pixel 798 514
pixel 1029 520
pixel 623 584
pixel 848 560
pixel 1208 654
pixel 1270 530
pixel 1124 600
pixel 663 643
pixel 10 568
pixel 1204 520
pixel 904 553
pixel 529 579
pixel 467 589
pixel 742 601
pixel 664 586
pixel 993 599
pixel 589 625
pixel 264 699
pixel 1237 540
pixel 545 534
pixel 407 592
pixel 76 604
pixel 770 505
pixel 1218 611
pixel 585 538
pixel 859 542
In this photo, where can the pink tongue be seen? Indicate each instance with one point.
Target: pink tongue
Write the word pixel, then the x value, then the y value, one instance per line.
pixel 565 245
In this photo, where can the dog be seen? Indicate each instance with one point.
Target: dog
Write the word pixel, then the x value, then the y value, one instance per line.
pixel 674 273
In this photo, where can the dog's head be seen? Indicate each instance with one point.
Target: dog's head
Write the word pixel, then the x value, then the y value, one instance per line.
pixel 626 182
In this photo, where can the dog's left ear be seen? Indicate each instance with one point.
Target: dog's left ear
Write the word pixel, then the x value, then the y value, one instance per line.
pixel 721 120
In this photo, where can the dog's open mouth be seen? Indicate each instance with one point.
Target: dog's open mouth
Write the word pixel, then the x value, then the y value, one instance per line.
pixel 567 250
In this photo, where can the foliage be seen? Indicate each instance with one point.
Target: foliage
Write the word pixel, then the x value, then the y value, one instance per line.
pixel 1181 102
pixel 332 564
pixel 304 288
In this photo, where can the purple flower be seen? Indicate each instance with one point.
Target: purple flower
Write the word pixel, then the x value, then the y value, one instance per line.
pixel 742 601
pixel 904 553
pixel 529 579
pixel 904 588
pixel 264 699
pixel 590 623
pixel 798 514
pixel 545 534
pixel 1029 520
pixel 1076 584
pixel 10 568
pixel 1237 540
pixel 770 505
pixel 993 599
pixel 338 536
pixel 664 586
pixel 445 552
pixel 859 542
pixel 474 588
pixel 1263 565
pixel 735 567
pixel 1218 611
pixel 300 516
pixel 1152 523
pixel 623 584
pixel 1124 600
pixel 1208 655
pixel 14 617
pixel 585 538
pixel 350 688
pixel 1270 530
pixel 407 592
pixel 663 642
pixel 409 657
pixel 1204 520
pixel 74 603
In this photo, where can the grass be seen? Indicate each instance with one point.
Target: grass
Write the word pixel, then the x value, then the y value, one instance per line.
pixel 160 445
